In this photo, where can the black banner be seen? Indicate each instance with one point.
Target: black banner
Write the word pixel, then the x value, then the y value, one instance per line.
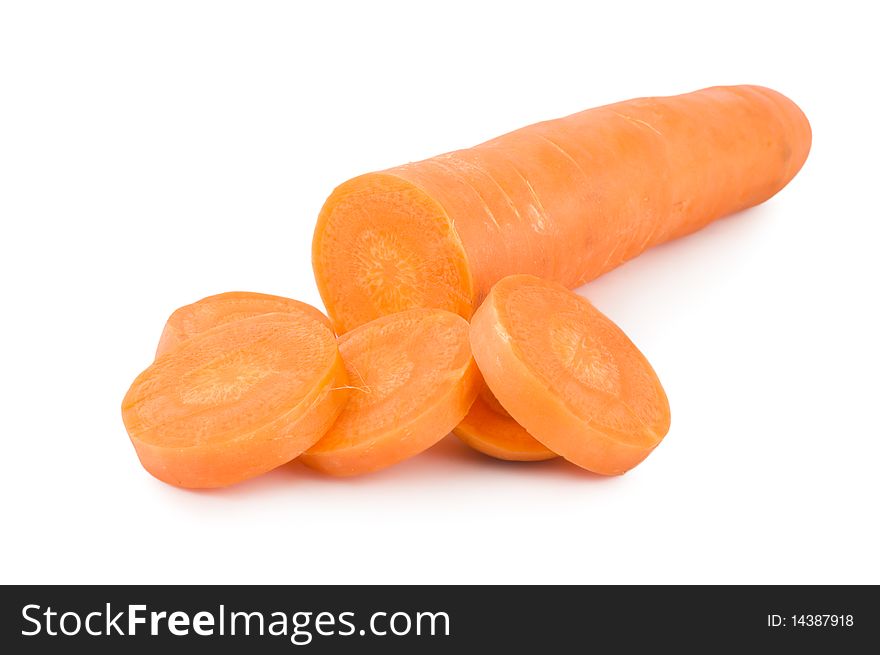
pixel 330 619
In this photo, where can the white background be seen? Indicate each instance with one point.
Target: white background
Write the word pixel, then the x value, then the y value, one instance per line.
pixel 153 153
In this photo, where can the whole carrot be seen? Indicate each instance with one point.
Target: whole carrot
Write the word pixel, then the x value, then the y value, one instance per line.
pixel 566 200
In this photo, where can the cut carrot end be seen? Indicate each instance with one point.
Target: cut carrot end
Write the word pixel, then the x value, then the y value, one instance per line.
pixel 413 378
pixel 569 375
pixel 490 429
pixel 382 246
pixel 236 400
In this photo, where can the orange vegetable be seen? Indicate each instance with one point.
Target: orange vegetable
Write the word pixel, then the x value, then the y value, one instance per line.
pixel 489 429
pixel 227 307
pixel 413 379
pixel 236 400
pixel 568 375
pixel 565 200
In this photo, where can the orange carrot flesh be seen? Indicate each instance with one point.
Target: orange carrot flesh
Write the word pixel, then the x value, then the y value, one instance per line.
pixel 413 379
pixel 236 400
pixel 568 375
pixel 489 429
pixel 397 247
pixel 566 200
pixel 228 307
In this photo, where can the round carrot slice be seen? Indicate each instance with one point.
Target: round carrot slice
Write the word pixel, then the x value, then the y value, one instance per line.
pixel 569 375
pixel 413 379
pixel 236 400
pixel 212 311
pixel 489 429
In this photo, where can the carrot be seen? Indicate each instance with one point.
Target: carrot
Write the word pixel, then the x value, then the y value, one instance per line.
pixel 565 200
pixel 236 400
pixel 212 311
pixel 569 375
pixel 489 429
pixel 413 379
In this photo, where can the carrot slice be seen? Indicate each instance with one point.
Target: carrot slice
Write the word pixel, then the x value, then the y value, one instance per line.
pixel 566 200
pixel 569 375
pixel 236 400
pixel 212 311
pixel 413 379
pixel 489 429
